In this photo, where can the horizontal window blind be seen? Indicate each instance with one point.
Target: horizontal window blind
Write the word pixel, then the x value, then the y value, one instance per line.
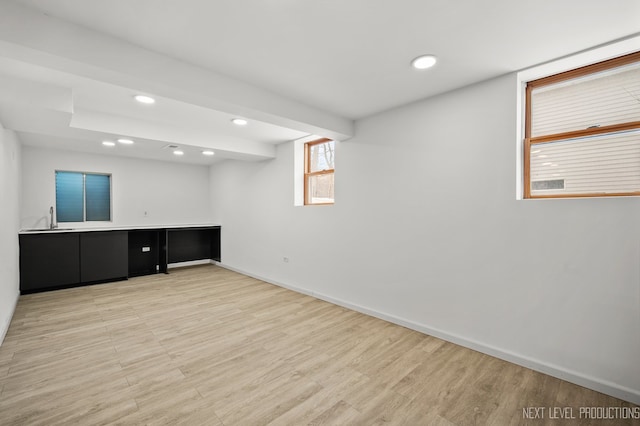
pixel 69 197
pixel 607 164
pixel 596 100
pixel 98 197
pixel 83 197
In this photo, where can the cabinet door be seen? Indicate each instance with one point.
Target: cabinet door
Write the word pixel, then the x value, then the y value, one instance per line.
pixel 103 256
pixel 144 252
pixel 49 261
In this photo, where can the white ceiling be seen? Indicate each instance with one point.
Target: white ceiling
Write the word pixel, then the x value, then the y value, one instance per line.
pixel 292 67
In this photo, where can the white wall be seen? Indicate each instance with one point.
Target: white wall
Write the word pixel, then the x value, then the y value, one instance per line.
pixel 426 231
pixel 9 224
pixel 170 193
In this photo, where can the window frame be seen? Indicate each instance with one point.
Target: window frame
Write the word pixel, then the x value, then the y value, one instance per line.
pixel 624 59
pixel 84 195
pixel 308 173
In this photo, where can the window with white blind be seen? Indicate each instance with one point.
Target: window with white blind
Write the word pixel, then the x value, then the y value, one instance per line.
pixel 582 131
pixel 83 197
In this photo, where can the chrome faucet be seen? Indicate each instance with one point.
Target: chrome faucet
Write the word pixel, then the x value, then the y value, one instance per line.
pixel 51 225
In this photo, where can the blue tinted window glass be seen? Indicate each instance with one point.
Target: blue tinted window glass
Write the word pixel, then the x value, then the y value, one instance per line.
pixel 98 197
pixel 69 197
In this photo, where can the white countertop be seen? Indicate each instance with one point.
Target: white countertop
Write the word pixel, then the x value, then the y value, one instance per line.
pixel 63 229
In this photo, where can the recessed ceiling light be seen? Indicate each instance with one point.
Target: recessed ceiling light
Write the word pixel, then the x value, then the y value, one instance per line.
pixel 125 141
pixel 208 153
pixel 178 152
pixel 144 99
pixel 239 121
pixel 423 62
pixel 108 143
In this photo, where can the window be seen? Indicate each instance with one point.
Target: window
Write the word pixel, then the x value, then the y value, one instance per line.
pixel 582 131
pixel 83 197
pixel 319 171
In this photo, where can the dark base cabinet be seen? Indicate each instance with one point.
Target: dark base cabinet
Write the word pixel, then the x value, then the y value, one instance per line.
pixel 143 252
pixel 49 261
pixel 53 260
pixel 215 244
pixel 103 256
pixel 61 260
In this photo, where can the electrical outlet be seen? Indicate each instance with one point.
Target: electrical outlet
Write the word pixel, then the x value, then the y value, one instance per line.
pixel 146 213
pixel 285 259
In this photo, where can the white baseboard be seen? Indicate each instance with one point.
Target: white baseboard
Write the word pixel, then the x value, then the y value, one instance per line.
pixel 594 383
pixel 189 263
pixel 7 321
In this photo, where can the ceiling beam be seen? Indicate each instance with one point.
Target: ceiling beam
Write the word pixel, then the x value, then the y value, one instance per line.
pixel 80 51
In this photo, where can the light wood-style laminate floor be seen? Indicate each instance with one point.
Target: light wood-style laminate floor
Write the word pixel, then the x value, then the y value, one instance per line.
pixel 208 346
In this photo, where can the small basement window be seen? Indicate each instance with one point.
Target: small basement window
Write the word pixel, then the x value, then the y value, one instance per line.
pixel 83 197
pixel 582 131
pixel 319 170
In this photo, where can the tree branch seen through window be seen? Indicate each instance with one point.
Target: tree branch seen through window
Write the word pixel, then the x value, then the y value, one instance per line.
pixel 319 172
